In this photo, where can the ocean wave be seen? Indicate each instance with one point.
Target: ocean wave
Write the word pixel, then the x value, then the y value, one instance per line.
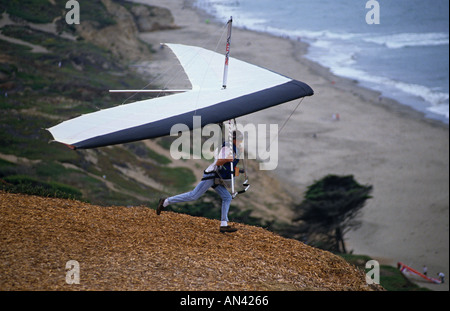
pixel 223 10
pixel 401 40
pixel 433 97
pixel 434 100
pixel 394 41
pixel 341 52
pixel 440 110
pixel 308 35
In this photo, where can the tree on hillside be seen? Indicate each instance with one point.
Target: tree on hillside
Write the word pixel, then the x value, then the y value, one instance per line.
pixel 329 210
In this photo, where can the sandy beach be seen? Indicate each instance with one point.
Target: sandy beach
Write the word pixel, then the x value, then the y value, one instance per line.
pixel 389 146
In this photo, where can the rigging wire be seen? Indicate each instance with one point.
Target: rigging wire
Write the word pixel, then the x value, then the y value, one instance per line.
pixel 210 60
pixel 286 121
pixel 206 42
pixel 180 68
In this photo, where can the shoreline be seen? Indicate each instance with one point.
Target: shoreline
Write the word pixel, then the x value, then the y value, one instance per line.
pixel 368 94
pixel 344 83
pixel 391 146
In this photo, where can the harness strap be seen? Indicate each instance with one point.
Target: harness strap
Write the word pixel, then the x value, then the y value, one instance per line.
pixel 213 175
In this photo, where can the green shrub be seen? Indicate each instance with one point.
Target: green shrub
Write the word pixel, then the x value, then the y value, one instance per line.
pixel 28 185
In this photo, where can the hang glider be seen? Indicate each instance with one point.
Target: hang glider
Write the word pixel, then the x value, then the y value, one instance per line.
pixel 412 272
pixel 245 89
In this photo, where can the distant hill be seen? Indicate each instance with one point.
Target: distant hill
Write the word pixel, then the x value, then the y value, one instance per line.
pixel 131 248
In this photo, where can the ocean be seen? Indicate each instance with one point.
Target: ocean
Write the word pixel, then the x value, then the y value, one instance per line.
pixel 405 56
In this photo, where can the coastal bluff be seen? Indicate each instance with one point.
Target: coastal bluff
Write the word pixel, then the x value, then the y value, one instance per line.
pixel 131 248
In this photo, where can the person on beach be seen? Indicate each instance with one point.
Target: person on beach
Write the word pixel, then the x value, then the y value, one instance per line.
pixel 216 175
pixel 441 276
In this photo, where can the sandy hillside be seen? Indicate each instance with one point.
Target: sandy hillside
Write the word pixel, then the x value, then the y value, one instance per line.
pixel 131 248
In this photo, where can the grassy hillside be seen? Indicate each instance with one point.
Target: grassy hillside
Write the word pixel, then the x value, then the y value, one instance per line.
pixel 72 76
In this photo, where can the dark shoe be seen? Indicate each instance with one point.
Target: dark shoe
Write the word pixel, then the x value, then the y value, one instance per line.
pixel 224 229
pixel 160 206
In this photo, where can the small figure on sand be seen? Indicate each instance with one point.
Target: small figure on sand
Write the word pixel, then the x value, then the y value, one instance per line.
pixel 441 276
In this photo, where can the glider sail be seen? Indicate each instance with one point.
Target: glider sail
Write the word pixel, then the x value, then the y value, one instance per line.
pixel 249 88
pixel 412 272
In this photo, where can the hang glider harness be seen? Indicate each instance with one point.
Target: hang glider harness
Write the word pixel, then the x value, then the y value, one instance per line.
pixel 234 171
pixel 231 128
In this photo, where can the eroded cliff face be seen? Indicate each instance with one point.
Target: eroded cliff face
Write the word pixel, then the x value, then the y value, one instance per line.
pixel 152 18
pixel 121 38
